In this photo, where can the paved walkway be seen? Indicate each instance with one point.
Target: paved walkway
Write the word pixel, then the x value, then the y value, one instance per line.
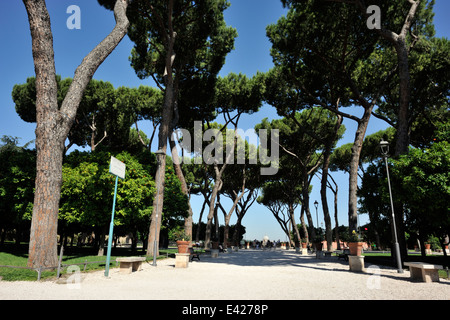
pixel 243 275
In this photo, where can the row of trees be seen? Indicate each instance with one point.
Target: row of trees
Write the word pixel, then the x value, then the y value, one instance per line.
pixel 87 192
pixel 325 56
pixel 325 60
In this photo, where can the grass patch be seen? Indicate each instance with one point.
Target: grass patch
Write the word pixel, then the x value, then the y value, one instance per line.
pixel 12 255
pixel 18 274
pixel 385 259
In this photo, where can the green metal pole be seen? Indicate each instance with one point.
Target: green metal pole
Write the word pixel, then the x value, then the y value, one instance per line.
pixel 111 227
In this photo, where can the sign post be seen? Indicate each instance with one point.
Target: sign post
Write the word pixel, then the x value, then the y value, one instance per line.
pixel 116 168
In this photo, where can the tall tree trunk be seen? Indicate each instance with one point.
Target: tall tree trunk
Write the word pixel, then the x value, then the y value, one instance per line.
pixel 218 185
pixel 158 202
pixel 295 228
pixel 53 125
pixel 163 135
pixel 282 221
pixel 49 147
pixel 251 198
pixel 212 208
pixel 238 197
pixel 324 184
pixel 237 229
pixel 336 222
pixel 179 172
pixel 305 206
pixel 197 234
pixel 398 40
pixel 326 213
pixel 354 165
pixel 403 127
pixel 303 223
pixel 226 227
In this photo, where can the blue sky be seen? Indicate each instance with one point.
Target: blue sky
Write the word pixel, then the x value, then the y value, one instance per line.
pixel 251 54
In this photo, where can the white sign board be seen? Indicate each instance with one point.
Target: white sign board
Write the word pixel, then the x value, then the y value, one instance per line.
pixel 117 168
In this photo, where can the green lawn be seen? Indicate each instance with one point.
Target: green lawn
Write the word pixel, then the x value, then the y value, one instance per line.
pixel 11 255
pixel 386 260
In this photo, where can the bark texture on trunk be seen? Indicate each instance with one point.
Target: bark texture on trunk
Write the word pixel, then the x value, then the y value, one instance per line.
pixel 398 40
pixel 163 135
pixel 184 188
pixel 53 125
pixel 354 165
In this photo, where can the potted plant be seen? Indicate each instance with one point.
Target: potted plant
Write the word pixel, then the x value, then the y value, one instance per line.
pixel 182 240
pixel 304 243
pixel 355 244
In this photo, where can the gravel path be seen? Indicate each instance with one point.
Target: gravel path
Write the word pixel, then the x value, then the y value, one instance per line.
pixel 243 275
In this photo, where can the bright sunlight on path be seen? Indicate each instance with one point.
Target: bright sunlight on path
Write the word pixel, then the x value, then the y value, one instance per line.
pixel 243 275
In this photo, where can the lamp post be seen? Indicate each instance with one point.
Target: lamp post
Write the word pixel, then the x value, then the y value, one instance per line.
pixel 316 204
pixel 155 243
pixel 384 146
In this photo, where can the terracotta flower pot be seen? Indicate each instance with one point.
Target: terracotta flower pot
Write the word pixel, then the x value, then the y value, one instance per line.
pixel 303 245
pixel 183 246
pixel 427 246
pixel 355 248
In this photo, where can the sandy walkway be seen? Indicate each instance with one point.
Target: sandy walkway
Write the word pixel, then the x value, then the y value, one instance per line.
pixel 245 275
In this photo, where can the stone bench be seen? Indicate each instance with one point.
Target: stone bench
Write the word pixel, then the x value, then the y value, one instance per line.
pixel 130 264
pixel 424 271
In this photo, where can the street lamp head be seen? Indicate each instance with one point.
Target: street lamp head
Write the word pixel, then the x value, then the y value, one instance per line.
pixel 316 204
pixel 384 146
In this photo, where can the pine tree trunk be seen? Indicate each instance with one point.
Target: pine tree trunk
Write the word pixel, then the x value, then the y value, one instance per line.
pixel 49 148
pixel 402 138
pixel 305 205
pixel 179 172
pixel 53 125
pixel 163 135
pixel 336 230
pixel 354 166
pixel 212 205
pixel 43 233
pixel 158 202
pixel 303 223
pixel 291 213
pixel 323 195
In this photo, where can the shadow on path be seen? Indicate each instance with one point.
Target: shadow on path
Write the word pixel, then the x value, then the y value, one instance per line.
pixel 275 258
pixel 280 258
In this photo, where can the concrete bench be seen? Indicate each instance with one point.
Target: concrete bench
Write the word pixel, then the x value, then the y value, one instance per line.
pixel 424 271
pixel 130 264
